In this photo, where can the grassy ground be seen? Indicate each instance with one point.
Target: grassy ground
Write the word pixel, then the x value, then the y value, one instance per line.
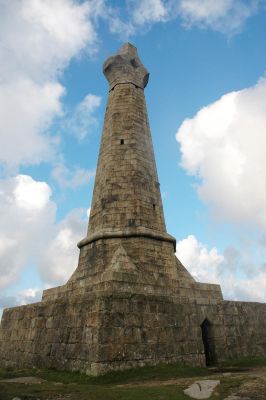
pixel 163 382
pixel 245 362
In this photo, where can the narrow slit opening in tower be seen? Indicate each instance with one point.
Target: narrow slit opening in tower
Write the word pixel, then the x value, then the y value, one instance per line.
pixel 154 206
pixel 208 343
pixel 121 141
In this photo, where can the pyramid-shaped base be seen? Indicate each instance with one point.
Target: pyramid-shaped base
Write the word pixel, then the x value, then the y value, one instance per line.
pixel 123 315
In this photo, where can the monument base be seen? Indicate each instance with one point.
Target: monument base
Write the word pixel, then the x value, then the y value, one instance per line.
pixel 126 317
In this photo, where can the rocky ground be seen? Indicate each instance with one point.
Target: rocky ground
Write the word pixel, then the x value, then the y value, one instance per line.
pixel 235 384
pixel 252 384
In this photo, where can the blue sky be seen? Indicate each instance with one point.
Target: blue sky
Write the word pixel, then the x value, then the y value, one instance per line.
pixel 206 102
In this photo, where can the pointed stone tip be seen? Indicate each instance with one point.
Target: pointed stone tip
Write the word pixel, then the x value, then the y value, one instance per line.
pixel 125 67
pixel 127 48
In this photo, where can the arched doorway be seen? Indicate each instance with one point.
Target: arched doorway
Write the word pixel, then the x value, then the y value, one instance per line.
pixel 208 342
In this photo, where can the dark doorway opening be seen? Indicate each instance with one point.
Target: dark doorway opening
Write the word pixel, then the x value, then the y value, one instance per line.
pixel 208 342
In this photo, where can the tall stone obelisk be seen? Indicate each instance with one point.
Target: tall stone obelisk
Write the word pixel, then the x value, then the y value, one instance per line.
pixel 126 199
pixel 126 212
pixel 130 302
pixel 126 195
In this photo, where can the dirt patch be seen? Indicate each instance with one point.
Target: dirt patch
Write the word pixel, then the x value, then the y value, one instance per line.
pixel 255 385
pixel 26 380
pixel 154 383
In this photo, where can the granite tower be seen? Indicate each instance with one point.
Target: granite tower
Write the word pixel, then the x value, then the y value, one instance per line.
pixel 130 301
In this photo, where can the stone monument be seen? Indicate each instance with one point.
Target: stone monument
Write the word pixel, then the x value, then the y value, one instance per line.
pixel 130 302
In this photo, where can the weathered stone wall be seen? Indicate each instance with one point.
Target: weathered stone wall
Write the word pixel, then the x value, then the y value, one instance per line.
pixel 107 331
pixel 244 327
pixel 127 191
pixel 141 330
pixel 139 265
pixel 61 334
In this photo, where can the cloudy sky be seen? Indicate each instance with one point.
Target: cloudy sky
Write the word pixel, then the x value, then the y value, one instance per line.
pixel 207 107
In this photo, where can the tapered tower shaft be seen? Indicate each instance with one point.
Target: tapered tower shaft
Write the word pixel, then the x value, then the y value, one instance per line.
pixel 126 198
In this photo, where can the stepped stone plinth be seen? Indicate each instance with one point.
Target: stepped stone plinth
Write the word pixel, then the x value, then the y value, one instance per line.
pixel 130 302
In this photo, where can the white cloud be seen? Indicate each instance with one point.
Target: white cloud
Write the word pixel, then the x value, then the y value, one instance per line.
pixel 26 213
pixel 113 18
pixel 38 39
pixel 58 260
pixel 227 16
pixel 26 112
pixel 118 26
pixel 147 11
pixel 29 232
pixel 41 36
pixel 228 269
pixel 223 145
pixel 30 295
pixel 82 121
pixel 202 263
pixel 73 178
pixel 253 289
pixel 29 194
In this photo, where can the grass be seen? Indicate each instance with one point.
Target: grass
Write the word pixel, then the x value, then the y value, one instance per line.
pixel 162 372
pixel 76 386
pixel 245 362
